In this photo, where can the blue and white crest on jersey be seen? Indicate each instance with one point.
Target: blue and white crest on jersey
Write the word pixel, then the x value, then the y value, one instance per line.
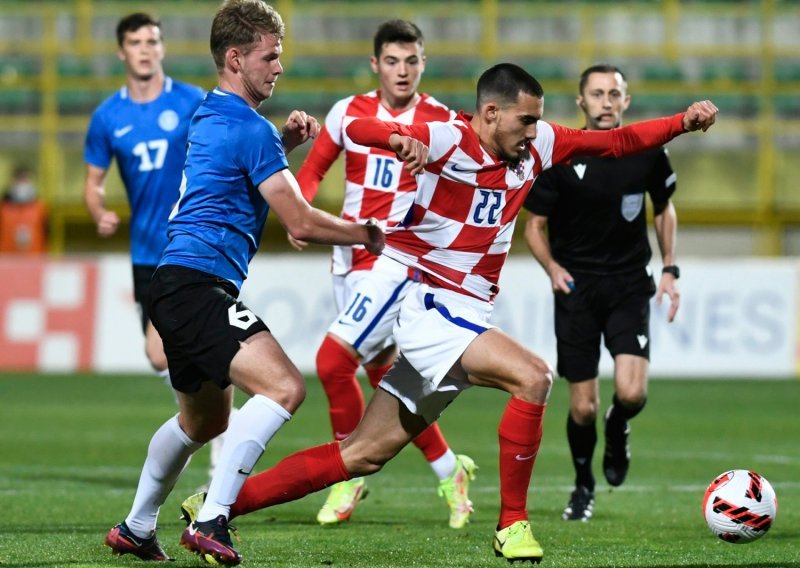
pixel 632 205
pixel 168 120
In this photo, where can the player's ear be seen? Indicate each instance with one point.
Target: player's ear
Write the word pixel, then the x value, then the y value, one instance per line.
pixel 489 111
pixel 626 103
pixel 581 102
pixel 373 62
pixel 233 59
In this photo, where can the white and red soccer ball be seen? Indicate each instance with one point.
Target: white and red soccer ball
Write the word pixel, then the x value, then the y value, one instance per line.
pixel 740 506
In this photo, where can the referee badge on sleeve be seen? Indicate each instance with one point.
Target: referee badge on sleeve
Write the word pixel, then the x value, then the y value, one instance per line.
pixel 632 205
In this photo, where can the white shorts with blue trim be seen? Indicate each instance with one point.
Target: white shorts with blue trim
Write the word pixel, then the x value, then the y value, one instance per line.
pixel 368 302
pixel 434 328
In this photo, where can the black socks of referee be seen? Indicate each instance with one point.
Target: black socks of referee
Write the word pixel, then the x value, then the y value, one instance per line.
pixel 620 414
pixel 582 440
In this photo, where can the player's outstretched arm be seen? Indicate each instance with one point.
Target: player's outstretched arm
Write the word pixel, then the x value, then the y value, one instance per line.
pixel 299 127
pixel 411 151
pixel 306 223
pixel 633 138
pixel 700 116
pixel 409 142
pixel 94 197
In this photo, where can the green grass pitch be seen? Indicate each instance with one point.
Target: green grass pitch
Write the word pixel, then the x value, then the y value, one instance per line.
pixel 71 447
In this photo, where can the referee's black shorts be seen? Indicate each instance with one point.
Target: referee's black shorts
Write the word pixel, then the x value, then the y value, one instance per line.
pixel 616 307
pixel 201 323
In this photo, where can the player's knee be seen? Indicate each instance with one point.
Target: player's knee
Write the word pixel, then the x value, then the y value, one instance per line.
pixel 632 398
pixel 291 395
pixel 583 411
pixel 536 379
pixel 541 373
pixel 335 361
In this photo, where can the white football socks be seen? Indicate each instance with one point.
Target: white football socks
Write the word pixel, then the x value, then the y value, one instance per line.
pixel 444 466
pixel 168 454
pixel 245 440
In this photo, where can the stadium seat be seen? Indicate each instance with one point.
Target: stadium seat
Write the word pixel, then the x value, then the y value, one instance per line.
pixel 787 71
pixel 317 103
pixel 18 101
pixel 787 106
pixel 189 68
pixel 79 101
pixel 15 67
pixel 725 71
pixel 71 66
pixel 663 72
pixel 305 67
pixel 651 104
pixel 548 70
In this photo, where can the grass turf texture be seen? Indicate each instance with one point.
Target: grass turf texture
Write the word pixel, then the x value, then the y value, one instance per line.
pixel 72 446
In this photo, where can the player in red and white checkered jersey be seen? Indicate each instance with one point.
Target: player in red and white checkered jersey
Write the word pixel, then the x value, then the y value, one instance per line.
pixel 474 174
pixel 368 289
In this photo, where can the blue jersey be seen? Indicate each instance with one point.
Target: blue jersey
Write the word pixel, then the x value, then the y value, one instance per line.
pixel 217 224
pixel 148 141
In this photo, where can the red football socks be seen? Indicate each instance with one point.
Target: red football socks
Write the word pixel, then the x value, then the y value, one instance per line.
pixel 375 374
pixel 520 433
pixel 431 443
pixel 336 368
pixel 293 477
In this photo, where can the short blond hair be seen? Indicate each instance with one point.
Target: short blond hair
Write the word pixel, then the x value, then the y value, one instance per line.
pixel 242 23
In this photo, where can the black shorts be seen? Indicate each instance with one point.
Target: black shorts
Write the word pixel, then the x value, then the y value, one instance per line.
pixel 616 307
pixel 201 324
pixel 142 275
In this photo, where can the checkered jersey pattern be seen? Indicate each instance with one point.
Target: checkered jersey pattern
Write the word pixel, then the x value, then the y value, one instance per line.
pixel 376 185
pixel 459 230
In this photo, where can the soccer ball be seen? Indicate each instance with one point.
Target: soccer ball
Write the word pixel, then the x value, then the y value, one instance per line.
pixel 739 506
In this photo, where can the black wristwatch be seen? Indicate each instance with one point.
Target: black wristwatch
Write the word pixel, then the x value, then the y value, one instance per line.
pixel 674 270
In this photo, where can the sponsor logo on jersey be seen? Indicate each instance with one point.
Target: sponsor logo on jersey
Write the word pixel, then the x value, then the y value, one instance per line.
pixel 120 132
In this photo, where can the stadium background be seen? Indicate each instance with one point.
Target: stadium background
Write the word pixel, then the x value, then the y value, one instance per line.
pixel 737 195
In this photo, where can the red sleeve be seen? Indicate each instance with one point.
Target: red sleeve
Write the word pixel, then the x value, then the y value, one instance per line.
pixel 616 142
pixel 323 153
pixel 375 133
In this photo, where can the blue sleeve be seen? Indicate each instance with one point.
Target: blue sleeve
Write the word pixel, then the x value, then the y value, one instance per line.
pixel 259 150
pixel 97 150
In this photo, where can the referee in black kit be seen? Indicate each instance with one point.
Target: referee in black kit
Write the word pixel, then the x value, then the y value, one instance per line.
pixel 588 230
